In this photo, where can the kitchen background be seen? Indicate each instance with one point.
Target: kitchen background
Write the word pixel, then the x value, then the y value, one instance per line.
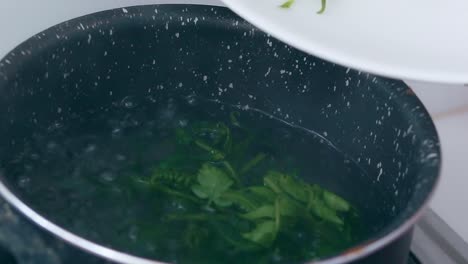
pixel 448 104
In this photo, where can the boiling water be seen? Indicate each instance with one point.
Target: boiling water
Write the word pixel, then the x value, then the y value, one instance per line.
pixel 86 177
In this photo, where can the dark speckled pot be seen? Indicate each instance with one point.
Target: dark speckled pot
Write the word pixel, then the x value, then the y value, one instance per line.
pixel 83 66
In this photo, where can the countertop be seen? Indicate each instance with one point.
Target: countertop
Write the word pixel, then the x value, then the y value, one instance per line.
pixel 448 104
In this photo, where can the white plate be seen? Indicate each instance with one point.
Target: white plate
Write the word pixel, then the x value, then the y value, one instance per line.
pixel 409 39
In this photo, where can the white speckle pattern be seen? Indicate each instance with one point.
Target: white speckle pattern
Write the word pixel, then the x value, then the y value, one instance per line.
pixel 375 121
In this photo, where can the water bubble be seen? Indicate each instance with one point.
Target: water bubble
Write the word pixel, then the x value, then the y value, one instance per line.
pixel 107 176
pixel 52 145
pixel 117 190
pixel 76 172
pixel 120 157
pixel 151 98
pixel 24 181
pixel 133 233
pixel 284 133
pixel 35 156
pixel 183 122
pixel 28 167
pixel 116 132
pixel 167 113
pixel 191 99
pixel 55 126
pixel 277 257
pixel 90 148
pixel 129 102
pixel 151 247
pixel 129 121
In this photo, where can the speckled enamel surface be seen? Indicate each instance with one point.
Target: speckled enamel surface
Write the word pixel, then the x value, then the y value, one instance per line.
pixel 120 58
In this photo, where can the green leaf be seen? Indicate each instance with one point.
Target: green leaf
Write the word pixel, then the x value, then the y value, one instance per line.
pixel 266 211
pixel 250 198
pixel 200 191
pixel 215 153
pixel 281 205
pixel 336 202
pixel 324 6
pixel 233 116
pixel 253 162
pixel 271 180
pixel 212 183
pixel 290 207
pixel 264 233
pixel 195 234
pixel 287 4
pixel 320 209
pixel 231 171
pixel 297 189
pixel 222 202
pixel 227 137
pixel 282 183
pixel 244 201
pixel 182 136
pixel 233 236
pixel 261 193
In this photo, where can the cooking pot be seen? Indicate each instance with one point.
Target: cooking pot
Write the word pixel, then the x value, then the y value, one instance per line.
pixel 112 63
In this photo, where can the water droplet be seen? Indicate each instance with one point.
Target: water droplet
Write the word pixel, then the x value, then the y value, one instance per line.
pixel 150 247
pixel 117 190
pixel 107 176
pixel 28 167
pixel 178 205
pixel 90 148
pixel 116 131
pixel 129 121
pixel 133 233
pixel 120 157
pixel 24 182
pixel 183 122
pixel 277 257
pixel 151 98
pixel 52 145
pixel 129 102
pixel 191 99
pixel 35 156
pixel 55 126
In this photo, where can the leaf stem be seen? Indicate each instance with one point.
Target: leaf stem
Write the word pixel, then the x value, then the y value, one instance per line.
pixel 233 116
pixel 287 4
pixel 277 214
pixel 253 162
pixel 216 154
pixel 324 6
pixel 232 172
pixel 228 140
pixel 272 185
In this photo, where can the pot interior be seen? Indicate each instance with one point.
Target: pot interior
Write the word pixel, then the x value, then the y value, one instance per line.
pixel 81 101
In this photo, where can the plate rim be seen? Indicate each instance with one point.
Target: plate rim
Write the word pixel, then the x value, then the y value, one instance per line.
pixel 346 60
